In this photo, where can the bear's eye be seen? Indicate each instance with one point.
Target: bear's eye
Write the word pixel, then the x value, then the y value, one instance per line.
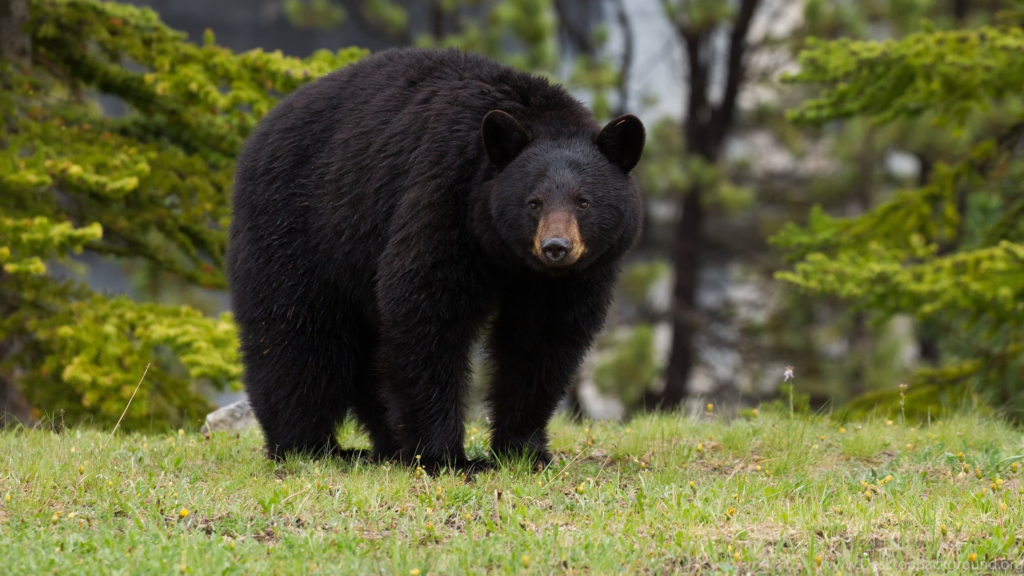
pixel 583 203
pixel 533 204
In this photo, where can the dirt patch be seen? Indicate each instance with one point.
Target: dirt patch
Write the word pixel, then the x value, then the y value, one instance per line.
pixel 268 536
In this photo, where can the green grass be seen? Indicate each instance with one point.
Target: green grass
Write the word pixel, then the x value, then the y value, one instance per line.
pixel 659 494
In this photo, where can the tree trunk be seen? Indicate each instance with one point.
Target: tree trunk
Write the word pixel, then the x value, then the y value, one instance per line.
pixel 14 408
pixel 686 251
pixel 626 64
pixel 686 263
pixel 704 133
pixel 15 42
pixel 15 48
pixel 960 8
pixel 859 337
pixel 927 343
pixel 437 20
pixel 858 353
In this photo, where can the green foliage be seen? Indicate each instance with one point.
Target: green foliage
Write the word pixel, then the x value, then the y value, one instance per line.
pixel 27 242
pixel 521 33
pixel 600 75
pixel 944 73
pixel 631 367
pixel 667 170
pixel 662 173
pixel 152 184
pixel 390 15
pixel 789 402
pixel 698 13
pixel 313 13
pixel 529 25
pixel 828 18
pixel 950 252
pixel 97 349
pixel 639 278
pixel 920 402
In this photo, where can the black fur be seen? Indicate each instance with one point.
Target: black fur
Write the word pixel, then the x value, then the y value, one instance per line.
pixel 380 222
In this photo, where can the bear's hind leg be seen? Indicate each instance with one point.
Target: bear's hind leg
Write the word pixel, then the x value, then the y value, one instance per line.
pixel 296 386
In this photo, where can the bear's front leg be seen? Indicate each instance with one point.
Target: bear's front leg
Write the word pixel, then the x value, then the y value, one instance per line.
pixel 541 334
pixel 431 306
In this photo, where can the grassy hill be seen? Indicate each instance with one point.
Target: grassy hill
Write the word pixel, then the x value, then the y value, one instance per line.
pixel 660 494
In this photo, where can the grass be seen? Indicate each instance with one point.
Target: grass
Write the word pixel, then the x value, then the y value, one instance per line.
pixel 659 494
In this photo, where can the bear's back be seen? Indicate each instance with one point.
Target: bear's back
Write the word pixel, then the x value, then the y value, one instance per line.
pixel 318 181
pixel 398 111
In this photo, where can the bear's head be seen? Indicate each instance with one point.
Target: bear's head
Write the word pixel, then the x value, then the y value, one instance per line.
pixel 561 203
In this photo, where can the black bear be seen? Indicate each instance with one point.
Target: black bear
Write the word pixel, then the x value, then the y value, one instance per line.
pixel 387 213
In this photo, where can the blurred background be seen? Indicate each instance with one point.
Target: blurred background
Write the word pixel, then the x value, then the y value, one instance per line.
pixel 770 238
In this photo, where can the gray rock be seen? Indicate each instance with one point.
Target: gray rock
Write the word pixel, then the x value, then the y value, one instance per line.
pixel 230 418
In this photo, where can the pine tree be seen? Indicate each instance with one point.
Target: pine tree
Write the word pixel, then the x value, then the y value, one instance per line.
pixel 151 185
pixel 950 252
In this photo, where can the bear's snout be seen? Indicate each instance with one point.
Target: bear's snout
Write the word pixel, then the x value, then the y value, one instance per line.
pixel 555 249
pixel 558 242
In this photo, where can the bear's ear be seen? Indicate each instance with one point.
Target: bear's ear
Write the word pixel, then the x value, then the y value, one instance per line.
pixel 622 141
pixel 504 137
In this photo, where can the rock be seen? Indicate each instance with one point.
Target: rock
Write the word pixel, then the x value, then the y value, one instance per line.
pixel 230 418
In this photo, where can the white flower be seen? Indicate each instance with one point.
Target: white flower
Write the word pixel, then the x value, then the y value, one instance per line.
pixel 787 375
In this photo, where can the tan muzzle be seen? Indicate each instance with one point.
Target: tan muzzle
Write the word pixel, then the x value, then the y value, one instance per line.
pixel 558 242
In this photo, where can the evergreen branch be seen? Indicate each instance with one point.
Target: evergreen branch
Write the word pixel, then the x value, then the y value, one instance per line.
pixel 943 73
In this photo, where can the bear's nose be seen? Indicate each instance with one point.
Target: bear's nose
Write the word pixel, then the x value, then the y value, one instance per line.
pixel 555 249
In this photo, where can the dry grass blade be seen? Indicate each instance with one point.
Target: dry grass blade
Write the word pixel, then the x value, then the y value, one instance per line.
pixel 144 372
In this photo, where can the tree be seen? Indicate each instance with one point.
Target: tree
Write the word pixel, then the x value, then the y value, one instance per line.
pixel 152 185
pixel 699 24
pixel 862 177
pixel 785 168
pixel 951 251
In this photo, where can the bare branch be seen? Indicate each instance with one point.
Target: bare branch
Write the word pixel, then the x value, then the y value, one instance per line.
pixel 626 65
pixel 698 111
pixel 736 69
